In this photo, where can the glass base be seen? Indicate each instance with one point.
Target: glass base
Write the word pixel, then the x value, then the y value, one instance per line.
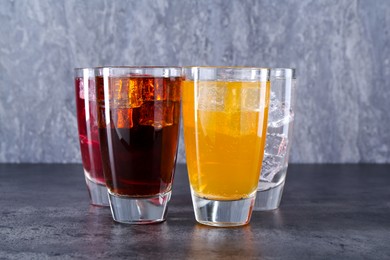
pixel 269 199
pixel 223 213
pixel 139 210
pixel 97 193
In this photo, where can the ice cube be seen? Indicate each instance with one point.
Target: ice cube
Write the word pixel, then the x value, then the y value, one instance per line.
pixel 153 88
pixel 276 144
pixel 122 117
pixel 211 96
pixel 125 92
pixel 275 155
pixel 91 90
pixel 240 123
pixel 173 89
pixel 147 111
pixel 250 99
pixel 245 96
pixel 80 83
pixel 279 113
pixel 87 88
pixel 272 164
pixel 157 114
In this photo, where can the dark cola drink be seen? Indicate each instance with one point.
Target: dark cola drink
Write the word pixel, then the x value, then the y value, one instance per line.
pixel 139 130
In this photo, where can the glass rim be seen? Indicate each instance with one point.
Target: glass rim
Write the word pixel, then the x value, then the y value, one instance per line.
pixel 227 73
pixel 84 68
pixel 138 67
pixel 139 71
pixel 284 68
pixel 227 67
pixel 284 72
pixel 126 67
pixel 84 72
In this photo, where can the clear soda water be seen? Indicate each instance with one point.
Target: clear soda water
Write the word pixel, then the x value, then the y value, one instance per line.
pixel 275 162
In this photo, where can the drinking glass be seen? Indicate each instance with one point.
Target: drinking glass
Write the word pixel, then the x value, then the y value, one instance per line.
pixel 139 113
pixel 225 121
pixel 279 137
pixel 88 135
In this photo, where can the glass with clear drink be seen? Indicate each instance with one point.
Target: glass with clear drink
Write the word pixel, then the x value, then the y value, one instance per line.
pixel 279 138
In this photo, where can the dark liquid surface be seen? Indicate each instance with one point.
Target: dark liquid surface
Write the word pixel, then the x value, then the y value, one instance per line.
pixel 139 144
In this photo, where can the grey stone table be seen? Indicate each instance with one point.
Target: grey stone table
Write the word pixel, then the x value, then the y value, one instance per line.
pixel 328 212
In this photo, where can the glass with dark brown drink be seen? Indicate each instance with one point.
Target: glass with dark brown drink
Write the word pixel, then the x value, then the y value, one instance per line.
pixel 89 136
pixel 138 112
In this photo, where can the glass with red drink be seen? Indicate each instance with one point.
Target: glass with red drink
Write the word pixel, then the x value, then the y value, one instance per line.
pixel 138 114
pixel 89 136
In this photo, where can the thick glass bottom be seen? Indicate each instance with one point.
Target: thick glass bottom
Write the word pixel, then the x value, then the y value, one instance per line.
pixel 97 193
pixel 269 199
pixel 139 210
pixel 223 213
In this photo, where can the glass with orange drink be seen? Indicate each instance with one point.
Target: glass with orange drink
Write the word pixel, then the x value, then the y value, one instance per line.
pixel 225 119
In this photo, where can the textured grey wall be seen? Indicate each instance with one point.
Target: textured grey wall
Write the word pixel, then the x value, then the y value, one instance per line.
pixel 340 48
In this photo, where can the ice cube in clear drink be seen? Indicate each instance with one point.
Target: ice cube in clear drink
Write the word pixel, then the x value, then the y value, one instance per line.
pixel 272 164
pixel 279 113
pixel 276 144
pixel 275 154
